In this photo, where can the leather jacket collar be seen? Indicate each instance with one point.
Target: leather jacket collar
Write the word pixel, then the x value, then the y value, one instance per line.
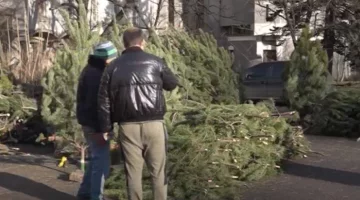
pixel 132 49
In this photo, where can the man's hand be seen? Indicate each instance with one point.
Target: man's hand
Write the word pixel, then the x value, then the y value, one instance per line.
pixel 100 138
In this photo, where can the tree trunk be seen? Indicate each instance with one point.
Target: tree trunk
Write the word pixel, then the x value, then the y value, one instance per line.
pixel 329 35
pixel 309 11
pixel 172 12
pixel 290 21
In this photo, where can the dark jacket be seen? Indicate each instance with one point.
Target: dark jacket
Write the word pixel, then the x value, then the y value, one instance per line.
pixel 131 89
pixel 86 101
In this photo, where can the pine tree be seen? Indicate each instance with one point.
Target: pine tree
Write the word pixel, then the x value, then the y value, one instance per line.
pixel 206 72
pixel 60 83
pixel 306 77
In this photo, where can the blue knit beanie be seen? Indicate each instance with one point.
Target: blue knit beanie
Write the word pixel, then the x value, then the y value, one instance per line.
pixel 105 50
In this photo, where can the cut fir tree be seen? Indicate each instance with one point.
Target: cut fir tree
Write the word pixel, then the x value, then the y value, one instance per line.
pixel 60 83
pixel 338 114
pixel 214 149
pixel 15 106
pixel 307 80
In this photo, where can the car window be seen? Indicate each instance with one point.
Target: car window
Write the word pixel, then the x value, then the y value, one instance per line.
pixel 257 72
pixel 278 69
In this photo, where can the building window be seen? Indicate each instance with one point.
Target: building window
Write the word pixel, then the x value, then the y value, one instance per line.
pixel 269 55
pixel 238 30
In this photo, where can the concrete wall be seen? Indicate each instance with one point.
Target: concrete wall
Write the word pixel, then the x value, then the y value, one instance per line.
pixel 244 51
pixel 236 12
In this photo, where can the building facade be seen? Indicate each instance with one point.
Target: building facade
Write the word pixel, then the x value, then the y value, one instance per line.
pixel 246 27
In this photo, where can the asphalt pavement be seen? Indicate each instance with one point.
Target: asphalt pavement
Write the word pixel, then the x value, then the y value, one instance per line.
pixel 31 174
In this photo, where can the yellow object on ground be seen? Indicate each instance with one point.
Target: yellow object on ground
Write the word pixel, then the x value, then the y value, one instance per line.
pixel 62 161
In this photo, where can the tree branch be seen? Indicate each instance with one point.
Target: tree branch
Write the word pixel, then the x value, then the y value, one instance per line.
pixel 158 11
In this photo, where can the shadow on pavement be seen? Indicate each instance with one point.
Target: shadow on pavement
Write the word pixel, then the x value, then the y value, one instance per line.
pixel 29 187
pixel 321 173
pixel 31 160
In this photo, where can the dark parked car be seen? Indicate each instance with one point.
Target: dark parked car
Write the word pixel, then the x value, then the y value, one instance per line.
pixel 264 81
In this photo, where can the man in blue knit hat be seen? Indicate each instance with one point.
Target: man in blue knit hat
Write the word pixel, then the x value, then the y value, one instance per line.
pixel 98 168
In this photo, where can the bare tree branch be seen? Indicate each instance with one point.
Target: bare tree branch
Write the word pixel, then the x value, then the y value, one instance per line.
pixel 158 10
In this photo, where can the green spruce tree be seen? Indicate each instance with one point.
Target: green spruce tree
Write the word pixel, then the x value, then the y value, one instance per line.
pixel 306 77
pixel 206 72
pixel 60 83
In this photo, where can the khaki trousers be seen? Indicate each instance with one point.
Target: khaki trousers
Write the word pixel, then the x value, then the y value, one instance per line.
pixel 144 141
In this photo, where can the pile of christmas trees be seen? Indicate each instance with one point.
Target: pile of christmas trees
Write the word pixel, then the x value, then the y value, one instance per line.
pixel 338 114
pixel 214 149
pixel 14 105
pixel 215 143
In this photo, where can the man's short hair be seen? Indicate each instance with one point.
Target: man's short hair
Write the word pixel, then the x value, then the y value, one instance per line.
pixel 133 36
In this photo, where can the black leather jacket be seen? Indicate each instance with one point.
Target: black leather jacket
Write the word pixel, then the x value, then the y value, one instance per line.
pixel 131 89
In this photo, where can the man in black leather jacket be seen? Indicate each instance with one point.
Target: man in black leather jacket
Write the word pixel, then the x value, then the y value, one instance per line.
pixel 131 94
